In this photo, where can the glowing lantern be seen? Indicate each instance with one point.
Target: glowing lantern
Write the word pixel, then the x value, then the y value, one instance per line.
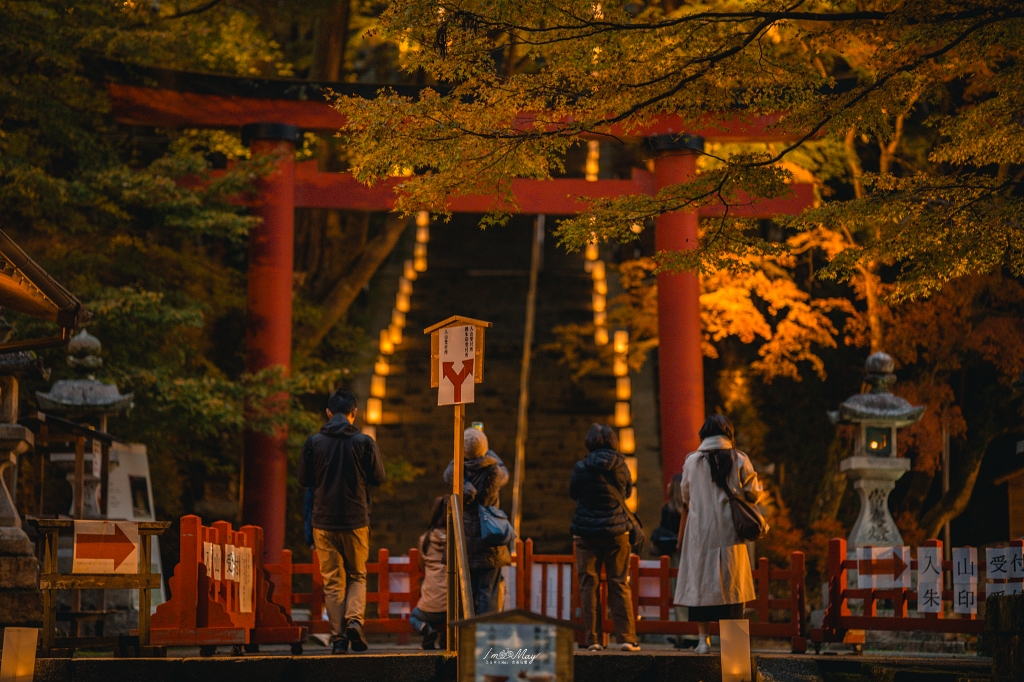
pixel 395 332
pixel 601 336
pixel 18 663
pixel 387 346
pixel 378 386
pixel 619 367
pixel 422 218
pixel 633 501
pixel 621 341
pixel 597 271
pixel 601 286
pixel 591 251
pixel 420 251
pixel 735 640
pixel 397 318
pixel 627 446
pixel 420 264
pixel 404 285
pixel 381 367
pixel 601 319
pixel 598 302
pixel 402 302
pixel 374 411
pixel 370 430
pixel 409 271
pixel 623 388
pixel 622 416
pixel 636 228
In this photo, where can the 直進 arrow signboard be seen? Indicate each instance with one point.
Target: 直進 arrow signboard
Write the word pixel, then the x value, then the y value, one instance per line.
pixel 106 547
pixel 457 346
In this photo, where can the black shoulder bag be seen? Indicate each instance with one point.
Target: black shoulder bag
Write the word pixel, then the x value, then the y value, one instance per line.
pixel 749 522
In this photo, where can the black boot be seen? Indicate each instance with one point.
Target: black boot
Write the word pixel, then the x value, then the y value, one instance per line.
pixel 430 636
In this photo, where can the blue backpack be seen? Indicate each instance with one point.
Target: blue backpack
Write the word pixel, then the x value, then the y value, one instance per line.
pixel 495 528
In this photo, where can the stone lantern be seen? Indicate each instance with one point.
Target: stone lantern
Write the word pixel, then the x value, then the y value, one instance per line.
pixel 874 467
pixel 86 398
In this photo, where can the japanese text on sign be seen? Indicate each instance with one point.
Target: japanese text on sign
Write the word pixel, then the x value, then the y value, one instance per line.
pixel 455 365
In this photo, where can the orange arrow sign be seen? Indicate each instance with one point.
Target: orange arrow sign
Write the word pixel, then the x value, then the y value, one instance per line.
pixel 102 546
pixel 893 566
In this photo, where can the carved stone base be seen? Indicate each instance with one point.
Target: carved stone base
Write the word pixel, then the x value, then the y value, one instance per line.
pixel 874 478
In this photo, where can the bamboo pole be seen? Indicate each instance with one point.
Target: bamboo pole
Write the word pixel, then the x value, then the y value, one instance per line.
pixel 524 378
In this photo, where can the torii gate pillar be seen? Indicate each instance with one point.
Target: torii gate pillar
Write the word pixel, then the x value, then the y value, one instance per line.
pixel 680 361
pixel 268 339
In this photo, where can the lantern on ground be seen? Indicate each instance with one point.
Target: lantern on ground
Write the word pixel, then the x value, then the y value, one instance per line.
pixel 374 411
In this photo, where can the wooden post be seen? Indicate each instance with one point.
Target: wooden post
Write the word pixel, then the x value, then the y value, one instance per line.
pixel 145 563
pixel 460 469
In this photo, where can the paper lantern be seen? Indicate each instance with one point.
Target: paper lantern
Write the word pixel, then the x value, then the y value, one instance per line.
pixel 422 234
pixel 735 639
pixel 420 263
pixel 623 388
pixel 601 336
pixel 404 285
pixel 619 367
pixel 381 367
pixel 597 270
pixel 591 251
pixel 627 446
pixel 636 228
pixel 631 462
pixel 622 416
pixel 395 332
pixel 397 318
pixel 601 319
pixel 402 302
pixel 420 251
pixel 409 271
pixel 378 386
pixel 387 345
pixel 633 501
pixel 621 341
pixel 422 218
pixel 374 411
pixel 18 663
pixel 601 286
pixel 370 430
pixel 598 302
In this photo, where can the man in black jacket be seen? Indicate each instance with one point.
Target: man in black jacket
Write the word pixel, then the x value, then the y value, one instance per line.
pixel 340 464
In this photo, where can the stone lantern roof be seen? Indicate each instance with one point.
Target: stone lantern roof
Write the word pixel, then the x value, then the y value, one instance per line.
pixel 83 396
pixel 879 405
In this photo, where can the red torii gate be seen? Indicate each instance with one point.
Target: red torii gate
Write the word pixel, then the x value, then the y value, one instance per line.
pixel 271 245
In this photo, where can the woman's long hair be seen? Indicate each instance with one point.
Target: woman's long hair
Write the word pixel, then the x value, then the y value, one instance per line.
pixel 438 519
pixel 720 461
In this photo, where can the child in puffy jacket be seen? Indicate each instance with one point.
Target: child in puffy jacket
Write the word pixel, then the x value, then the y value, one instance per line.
pixel 430 617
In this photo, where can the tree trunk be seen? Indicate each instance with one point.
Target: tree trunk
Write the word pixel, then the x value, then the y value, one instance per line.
pixel 833 484
pixel 953 503
pixel 345 290
pixel 330 41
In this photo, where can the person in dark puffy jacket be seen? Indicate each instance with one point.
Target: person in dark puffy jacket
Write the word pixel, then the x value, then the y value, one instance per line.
pixel 341 465
pixel 600 529
pixel 484 477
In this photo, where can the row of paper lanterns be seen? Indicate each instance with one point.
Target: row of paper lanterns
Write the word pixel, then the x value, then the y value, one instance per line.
pixel 623 417
pixel 391 337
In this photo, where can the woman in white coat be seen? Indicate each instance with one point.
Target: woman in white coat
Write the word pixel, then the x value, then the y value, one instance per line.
pixel 714 577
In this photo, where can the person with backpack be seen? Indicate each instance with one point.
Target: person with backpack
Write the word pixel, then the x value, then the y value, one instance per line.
pixel 341 464
pixel 485 474
pixel 430 615
pixel 601 527
pixel 714 579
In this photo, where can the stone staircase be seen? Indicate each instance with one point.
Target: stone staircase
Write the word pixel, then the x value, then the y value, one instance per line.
pixel 485 275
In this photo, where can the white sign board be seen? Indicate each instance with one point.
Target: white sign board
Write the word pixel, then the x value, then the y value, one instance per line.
pixel 245 577
pixel 929 565
pixel 456 351
pixel 965 566
pixel 106 547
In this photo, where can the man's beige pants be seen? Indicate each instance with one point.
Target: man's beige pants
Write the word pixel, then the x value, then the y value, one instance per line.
pixel 343 555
